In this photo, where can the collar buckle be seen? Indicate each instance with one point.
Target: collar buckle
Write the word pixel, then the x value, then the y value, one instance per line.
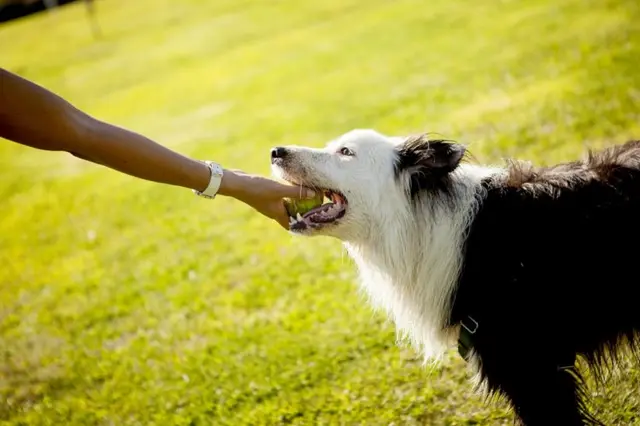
pixel 474 325
pixel 467 330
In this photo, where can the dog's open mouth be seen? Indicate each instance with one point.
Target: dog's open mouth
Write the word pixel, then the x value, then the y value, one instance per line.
pixel 333 209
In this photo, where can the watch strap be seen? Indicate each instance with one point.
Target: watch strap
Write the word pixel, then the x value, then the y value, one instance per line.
pixel 214 182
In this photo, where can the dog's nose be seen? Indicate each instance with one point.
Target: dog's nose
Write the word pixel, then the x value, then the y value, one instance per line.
pixel 278 152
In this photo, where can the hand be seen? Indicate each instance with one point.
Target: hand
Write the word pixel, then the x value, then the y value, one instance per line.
pixel 264 195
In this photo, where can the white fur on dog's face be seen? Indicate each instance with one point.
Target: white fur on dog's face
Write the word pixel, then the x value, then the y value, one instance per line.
pixel 359 165
pixel 409 203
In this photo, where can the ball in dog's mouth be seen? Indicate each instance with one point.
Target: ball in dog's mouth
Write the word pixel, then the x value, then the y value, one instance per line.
pixel 333 209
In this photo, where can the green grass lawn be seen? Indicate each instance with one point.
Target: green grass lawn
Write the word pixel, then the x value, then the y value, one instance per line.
pixel 127 303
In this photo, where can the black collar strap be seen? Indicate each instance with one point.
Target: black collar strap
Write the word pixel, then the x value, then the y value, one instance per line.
pixel 468 327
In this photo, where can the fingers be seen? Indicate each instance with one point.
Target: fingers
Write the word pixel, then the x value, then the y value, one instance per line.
pixel 282 190
pixel 266 196
pixel 272 189
pixel 293 191
pixel 284 224
pixel 280 215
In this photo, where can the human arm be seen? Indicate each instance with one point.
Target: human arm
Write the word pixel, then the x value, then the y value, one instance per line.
pixel 34 116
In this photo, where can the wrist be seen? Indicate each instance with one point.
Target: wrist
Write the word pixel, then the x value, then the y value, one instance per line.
pixel 199 177
pixel 216 173
pixel 231 184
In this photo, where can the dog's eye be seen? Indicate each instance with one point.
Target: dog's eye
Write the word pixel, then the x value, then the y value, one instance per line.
pixel 346 151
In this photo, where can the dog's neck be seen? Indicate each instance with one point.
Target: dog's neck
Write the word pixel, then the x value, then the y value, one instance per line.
pixel 411 268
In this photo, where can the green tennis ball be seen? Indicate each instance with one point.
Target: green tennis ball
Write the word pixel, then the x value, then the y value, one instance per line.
pixel 295 207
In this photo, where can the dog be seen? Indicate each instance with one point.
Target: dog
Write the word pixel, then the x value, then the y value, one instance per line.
pixel 526 269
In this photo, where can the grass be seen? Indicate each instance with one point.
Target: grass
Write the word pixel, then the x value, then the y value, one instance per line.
pixel 127 303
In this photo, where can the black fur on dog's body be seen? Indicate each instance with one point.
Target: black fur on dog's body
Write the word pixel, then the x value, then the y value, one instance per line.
pixel 543 259
pixel 550 272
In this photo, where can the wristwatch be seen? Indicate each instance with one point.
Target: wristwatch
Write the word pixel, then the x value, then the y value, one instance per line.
pixel 214 183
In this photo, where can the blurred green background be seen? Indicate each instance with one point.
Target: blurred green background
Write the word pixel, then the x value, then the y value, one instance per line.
pixel 124 302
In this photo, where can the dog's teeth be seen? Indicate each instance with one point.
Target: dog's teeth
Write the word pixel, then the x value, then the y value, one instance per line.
pixel 299 217
pixel 291 220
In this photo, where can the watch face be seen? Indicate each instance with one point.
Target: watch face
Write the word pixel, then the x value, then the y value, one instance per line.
pixel 217 170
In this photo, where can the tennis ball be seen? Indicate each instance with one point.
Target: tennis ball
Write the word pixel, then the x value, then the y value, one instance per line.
pixel 295 207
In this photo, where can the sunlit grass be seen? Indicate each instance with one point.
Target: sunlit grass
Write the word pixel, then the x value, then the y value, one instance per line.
pixel 123 302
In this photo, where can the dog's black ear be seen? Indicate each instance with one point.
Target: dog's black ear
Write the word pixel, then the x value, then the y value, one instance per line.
pixel 428 162
pixel 435 157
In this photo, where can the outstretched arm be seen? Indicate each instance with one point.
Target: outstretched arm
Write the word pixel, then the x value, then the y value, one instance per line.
pixel 36 117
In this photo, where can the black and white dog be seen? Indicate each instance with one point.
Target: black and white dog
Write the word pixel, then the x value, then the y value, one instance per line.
pixel 525 268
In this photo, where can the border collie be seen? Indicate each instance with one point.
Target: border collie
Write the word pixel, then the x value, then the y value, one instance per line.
pixel 524 268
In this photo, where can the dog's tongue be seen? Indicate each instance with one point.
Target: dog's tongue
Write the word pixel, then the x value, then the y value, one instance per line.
pixel 320 210
pixel 337 198
pixel 325 213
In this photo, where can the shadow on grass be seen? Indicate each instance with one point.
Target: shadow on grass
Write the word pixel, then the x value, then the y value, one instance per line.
pixel 23 387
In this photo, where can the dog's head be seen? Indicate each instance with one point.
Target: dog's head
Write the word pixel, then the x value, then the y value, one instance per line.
pixel 366 176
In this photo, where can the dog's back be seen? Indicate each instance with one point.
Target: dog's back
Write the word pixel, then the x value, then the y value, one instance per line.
pixel 550 272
